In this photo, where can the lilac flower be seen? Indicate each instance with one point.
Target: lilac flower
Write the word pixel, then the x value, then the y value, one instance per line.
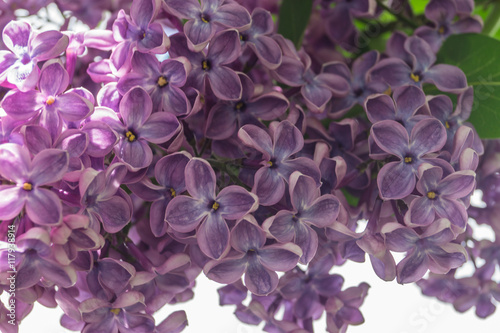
pixel 161 80
pixel 359 87
pixel 102 199
pixel 343 309
pixel 269 181
pixel 28 47
pixel 407 101
pixel 442 14
pixel 226 117
pixel 211 67
pixel 137 31
pixel 33 261
pixel 123 315
pixel 421 69
pixel 309 208
pixel 51 104
pixel 259 263
pixel 258 40
pixel 317 89
pixel 138 127
pixel 42 205
pixel 204 18
pixel 308 288
pixel 185 213
pixel 431 250
pixel 396 180
pixel 440 196
pixel 169 173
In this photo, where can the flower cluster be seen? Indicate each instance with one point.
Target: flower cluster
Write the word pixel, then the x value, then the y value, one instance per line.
pixel 176 138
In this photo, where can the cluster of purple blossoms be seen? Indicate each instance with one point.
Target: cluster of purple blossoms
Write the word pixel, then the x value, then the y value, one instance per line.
pixel 189 137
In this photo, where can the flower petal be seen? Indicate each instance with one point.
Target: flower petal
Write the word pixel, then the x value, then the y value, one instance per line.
pixel 213 236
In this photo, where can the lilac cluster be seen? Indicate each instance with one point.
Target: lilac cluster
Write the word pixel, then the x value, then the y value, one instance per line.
pixel 132 160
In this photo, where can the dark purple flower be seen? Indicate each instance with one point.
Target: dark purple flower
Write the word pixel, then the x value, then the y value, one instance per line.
pixel 42 205
pixel 185 213
pixel 211 66
pixel 205 17
pixel 359 86
pixel 226 117
pixel 278 164
pixel 343 309
pixel 28 47
pixel 258 39
pixel 259 263
pixel 431 250
pixel 442 14
pixel 440 196
pixel 420 69
pixel 309 208
pixel 161 80
pixel 396 180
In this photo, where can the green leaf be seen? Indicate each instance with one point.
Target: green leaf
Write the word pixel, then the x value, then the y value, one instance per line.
pixel 351 199
pixel 477 55
pixel 293 19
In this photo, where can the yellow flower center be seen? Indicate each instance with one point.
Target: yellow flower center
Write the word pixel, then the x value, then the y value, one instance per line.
pixel 204 65
pixel 447 125
pixel 130 136
pixel 172 192
pixel 27 186
pixel 115 311
pixel 239 106
pixel 204 19
pixel 162 81
pixel 431 195
pixel 441 30
pixel 50 100
pixel 388 91
pixel 408 159
pixel 270 163
pixel 215 206
pixel 415 77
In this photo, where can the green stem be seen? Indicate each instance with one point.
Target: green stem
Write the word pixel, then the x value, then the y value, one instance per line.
pixel 399 16
pixel 492 23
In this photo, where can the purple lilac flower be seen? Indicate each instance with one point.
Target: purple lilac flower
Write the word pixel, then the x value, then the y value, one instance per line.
pixel 431 250
pixel 258 39
pixel 19 68
pixel 396 180
pixel 339 23
pixel 419 69
pixel 102 199
pixel 343 309
pixel 307 288
pixel 33 261
pixel 440 196
pixel 161 80
pixel 316 89
pixel 169 173
pixel 309 208
pixel 212 66
pixel 359 87
pixel 42 205
pixel 137 32
pixel 50 104
pixel 138 127
pixel 124 314
pixel 442 14
pixel 269 181
pixel 204 18
pixel 259 263
pixel 407 101
pixel 225 118
pixel 185 213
